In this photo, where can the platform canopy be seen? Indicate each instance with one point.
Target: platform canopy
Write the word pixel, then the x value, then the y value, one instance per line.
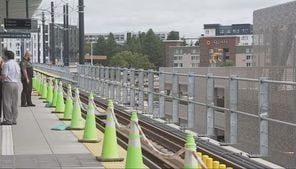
pixel 17 8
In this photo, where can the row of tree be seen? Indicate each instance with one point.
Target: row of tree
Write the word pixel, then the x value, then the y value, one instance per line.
pixel 143 50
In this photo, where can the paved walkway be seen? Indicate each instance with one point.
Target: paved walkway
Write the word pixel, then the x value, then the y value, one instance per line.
pixel 32 144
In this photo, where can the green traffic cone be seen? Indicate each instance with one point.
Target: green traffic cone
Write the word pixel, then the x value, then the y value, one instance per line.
pixel 110 146
pixel 49 93
pixel 190 162
pixel 34 83
pixel 44 90
pixel 41 86
pixel 55 93
pixel 76 123
pixel 90 134
pixel 134 157
pixel 69 105
pixel 60 105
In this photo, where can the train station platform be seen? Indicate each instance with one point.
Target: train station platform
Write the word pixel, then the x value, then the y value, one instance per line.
pixel 33 144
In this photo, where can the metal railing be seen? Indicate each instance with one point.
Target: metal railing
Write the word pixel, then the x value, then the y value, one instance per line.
pixel 153 92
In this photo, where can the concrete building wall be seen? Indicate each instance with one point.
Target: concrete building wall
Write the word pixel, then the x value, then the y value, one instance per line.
pixel 15 46
pixel 185 56
pixel 244 56
pixel 275 35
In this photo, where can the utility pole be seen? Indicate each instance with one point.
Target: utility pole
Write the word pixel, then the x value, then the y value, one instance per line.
pixel 7 6
pixel 38 44
pixel 43 38
pixel 64 36
pixel 67 45
pixel 52 35
pixel 81 31
pixel 27 9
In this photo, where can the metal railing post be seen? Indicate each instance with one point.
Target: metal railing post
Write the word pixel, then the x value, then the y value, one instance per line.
pixel 141 92
pixel 97 80
pixel 112 83
pixel 210 102
pixel 124 98
pixel 118 83
pixel 88 78
pixel 162 93
pixel 150 90
pixel 263 113
pixel 107 92
pixel 79 76
pixel 233 98
pixel 191 97
pixel 175 94
pixel 93 78
pixel 102 94
pixel 132 85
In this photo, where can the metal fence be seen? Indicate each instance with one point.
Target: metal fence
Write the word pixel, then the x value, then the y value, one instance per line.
pixel 65 72
pixel 251 108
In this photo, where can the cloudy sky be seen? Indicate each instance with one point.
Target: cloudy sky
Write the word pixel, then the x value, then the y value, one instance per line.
pixel 186 16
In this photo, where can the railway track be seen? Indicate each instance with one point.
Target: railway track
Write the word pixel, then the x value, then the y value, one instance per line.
pixel 169 138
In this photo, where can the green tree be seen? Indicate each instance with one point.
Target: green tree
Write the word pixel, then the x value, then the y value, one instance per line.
pixel 173 35
pixel 228 63
pixel 152 47
pixel 87 47
pixel 111 46
pixel 132 44
pixel 130 59
pixel 100 48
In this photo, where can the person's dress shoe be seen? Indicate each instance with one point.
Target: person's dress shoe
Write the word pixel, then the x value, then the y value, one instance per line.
pixel 6 123
pixel 32 105
pixel 23 105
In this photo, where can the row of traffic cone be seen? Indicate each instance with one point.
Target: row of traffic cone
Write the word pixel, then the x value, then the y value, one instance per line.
pixel 72 111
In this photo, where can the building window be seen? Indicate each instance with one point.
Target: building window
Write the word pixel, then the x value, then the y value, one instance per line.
pixel 175 57
pixel 248 57
pixel 193 50
pixel 221 32
pixel 207 31
pixel 17 53
pixel 180 57
pixel 177 51
pixel 194 57
pixel 181 51
pixel 175 64
pixel 194 64
pixel 247 50
pixel 181 64
pixel 244 37
pixel 248 64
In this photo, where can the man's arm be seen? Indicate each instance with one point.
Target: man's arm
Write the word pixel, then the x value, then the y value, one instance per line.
pixel 24 70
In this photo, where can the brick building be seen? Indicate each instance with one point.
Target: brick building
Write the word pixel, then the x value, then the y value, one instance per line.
pixel 209 45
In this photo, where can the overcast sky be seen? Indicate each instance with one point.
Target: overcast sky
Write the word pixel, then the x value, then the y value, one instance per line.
pixel 186 16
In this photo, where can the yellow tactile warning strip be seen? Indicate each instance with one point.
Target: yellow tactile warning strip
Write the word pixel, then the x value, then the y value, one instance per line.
pixel 96 148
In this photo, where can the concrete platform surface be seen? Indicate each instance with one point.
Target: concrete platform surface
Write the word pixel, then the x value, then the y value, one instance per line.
pixel 32 144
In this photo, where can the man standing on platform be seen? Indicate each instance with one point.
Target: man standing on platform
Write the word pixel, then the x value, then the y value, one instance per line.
pixel 10 76
pixel 27 75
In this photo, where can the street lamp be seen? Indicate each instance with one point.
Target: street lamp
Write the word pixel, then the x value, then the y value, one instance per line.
pixel 91 53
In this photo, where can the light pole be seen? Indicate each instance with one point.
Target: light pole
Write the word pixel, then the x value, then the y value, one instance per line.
pixel 91 53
